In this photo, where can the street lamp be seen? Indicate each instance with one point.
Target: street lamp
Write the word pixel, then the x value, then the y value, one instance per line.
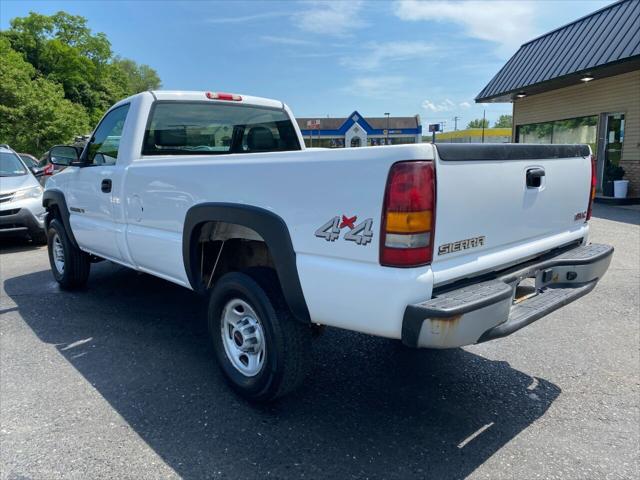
pixel 386 142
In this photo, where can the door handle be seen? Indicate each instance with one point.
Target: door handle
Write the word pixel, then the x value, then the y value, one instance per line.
pixel 105 186
pixel 534 177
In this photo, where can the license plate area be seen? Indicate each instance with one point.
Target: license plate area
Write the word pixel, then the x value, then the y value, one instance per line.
pixel 525 290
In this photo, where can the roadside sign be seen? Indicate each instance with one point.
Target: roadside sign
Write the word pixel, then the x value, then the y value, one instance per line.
pixel 313 124
pixel 434 127
pixel 385 132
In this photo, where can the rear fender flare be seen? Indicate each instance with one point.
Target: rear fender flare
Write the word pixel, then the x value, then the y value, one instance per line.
pixel 268 225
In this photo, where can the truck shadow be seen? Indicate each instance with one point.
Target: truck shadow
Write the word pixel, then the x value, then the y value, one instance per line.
pixel 16 244
pixel 369 409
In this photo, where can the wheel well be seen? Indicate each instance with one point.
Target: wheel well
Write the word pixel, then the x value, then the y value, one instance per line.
pixel 241 226
pixel 56 205
pixel 53 212
pixel 224 247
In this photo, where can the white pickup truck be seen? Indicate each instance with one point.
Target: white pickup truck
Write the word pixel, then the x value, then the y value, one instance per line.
pixel 439 246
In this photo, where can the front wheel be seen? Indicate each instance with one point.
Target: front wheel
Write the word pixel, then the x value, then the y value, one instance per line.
pixel 262 350
pixel 69 265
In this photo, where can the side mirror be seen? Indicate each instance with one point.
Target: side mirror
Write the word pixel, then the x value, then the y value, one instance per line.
pixel 37 171
pixel 64 155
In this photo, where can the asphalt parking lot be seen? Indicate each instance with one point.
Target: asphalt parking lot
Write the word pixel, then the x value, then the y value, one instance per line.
pixel 119 381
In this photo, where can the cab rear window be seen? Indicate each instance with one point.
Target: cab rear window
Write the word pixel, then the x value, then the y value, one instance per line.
pixel 192 128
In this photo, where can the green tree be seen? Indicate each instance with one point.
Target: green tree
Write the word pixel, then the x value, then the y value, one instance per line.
pixel 139 78
pixel 478 123
pixel 47 118
pixel 62 49
pixel 504 121
pixel 28 36
pixel 34 115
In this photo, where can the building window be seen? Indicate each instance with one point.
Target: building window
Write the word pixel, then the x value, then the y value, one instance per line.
pixel 375 141
pixel 401 140
pixel 315 142
pixel 572 130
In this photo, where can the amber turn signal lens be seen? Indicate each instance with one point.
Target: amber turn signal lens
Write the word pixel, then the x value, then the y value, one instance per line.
pixel 409 222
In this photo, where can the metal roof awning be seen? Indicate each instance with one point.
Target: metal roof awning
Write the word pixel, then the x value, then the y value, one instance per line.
pixel 602 44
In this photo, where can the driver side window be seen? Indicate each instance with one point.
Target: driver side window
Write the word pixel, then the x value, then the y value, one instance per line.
pixel 103 148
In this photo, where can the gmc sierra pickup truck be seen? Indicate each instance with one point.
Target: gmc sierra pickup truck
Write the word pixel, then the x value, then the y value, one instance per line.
pixel 438 246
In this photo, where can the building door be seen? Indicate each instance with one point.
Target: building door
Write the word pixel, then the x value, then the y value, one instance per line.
pixel 355 142
pixel 610 150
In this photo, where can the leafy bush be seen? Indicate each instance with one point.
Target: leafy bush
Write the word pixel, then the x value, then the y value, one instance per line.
pixel 613 172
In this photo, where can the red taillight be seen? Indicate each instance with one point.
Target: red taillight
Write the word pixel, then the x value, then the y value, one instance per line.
pixel 406 237
pixel 594 183
pixel 49 169
pixel 232 97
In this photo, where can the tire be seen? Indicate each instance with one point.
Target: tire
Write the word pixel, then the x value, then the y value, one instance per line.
pixel 74 270
pixel 278 345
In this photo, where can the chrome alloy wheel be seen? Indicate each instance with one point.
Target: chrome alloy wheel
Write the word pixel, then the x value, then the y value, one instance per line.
pixel 58 253
pixel 243 337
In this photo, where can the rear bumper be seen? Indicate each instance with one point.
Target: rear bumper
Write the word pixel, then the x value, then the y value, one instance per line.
pixel 487 310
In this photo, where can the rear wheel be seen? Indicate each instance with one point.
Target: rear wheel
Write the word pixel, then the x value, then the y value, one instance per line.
pixel 69 265
pixel 262 350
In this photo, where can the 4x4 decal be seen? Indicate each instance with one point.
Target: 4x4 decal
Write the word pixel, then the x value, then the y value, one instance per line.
pixel 361 233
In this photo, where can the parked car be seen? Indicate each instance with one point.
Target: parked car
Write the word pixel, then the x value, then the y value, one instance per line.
pixel 439 246
pixel 21 210
pixel 40 170
pixel 45 163
pixel 29 160
pixel 79 143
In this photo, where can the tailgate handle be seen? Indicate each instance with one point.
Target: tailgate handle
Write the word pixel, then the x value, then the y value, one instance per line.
pixel 534 177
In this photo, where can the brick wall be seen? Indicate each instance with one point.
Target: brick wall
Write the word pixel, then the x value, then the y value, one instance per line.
pixel 632 173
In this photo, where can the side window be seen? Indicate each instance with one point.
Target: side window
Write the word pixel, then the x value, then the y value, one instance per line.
pixel 103 149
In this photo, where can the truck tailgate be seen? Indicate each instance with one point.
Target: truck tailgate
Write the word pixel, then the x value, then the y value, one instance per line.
pixel 500 204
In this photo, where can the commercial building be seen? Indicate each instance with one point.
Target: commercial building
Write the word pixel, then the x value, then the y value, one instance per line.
pixel 580 83
pixel 358 131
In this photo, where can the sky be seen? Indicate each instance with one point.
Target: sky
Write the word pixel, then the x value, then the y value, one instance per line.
pixel 327 58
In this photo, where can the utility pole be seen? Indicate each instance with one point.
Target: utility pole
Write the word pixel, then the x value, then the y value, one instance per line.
pixel 484 111
pixel 455 122
pixel 444 125
pixel 386 142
